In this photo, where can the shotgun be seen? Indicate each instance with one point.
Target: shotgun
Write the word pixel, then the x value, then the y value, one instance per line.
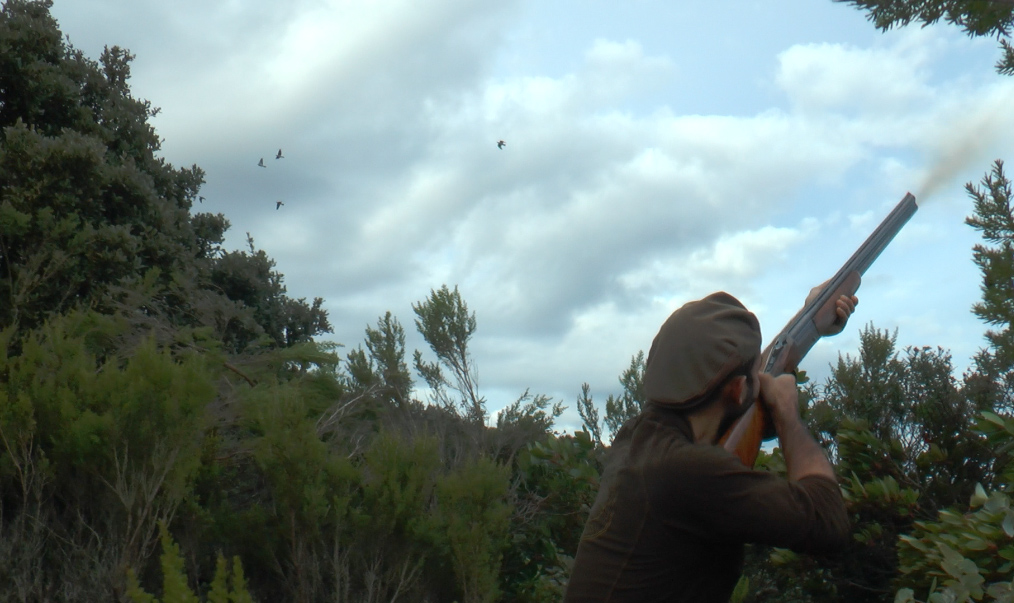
pixel 792 343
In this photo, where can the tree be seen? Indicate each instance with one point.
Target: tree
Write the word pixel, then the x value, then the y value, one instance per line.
pixel 963 552
pixel 251 283
pixel 589 414
pixel 229 583
pixel 994 218
pixel 473 514
pixel 446 325
pixel 974 17
pixel 966 551
pixel 95 449
pixel 85 202
pixel 91 217
pixel 386 345
pixel 619 409
pixel 119 310
pixel 869 387
pixel 526 420
pixel 556 480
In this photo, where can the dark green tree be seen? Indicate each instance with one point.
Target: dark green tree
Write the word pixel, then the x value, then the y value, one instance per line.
pixel 994 218
pixel 85 202
pixel 263 312
pixel 869 387
pixel 91 217
pixel 974 17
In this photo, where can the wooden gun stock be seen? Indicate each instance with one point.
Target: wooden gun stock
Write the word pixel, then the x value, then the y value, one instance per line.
pixel 817 316
pixel 746 435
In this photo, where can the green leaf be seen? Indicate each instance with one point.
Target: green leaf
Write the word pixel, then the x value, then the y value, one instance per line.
pixel 998 501
pixel 741 591
pixel 979 497
pixel 1002 592
pixel 915 543
pixel 992 418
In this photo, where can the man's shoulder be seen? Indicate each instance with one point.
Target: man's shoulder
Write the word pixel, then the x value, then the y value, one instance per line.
pixel 688 459
pixel 663 446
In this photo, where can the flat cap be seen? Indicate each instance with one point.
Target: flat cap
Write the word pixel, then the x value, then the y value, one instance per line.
pixel 698 346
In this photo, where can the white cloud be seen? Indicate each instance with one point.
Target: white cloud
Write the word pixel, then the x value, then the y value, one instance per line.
pixel 729 259
pixel 835 77
pixel 863 222
pixel 607 209
pixel 589 212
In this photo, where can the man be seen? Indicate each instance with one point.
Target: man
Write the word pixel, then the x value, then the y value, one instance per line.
pixel 674 508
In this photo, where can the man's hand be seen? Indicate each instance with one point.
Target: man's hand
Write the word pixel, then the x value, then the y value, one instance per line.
pixel 803 456
pixel 781 397
pixel 846 306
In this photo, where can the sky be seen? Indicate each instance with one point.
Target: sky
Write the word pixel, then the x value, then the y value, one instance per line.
pixel 655 153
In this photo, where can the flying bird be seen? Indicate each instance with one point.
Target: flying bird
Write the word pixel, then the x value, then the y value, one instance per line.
pixel 279 155
pixel 278 204
pixel 261 163
pixel 201 199
pixel 500 144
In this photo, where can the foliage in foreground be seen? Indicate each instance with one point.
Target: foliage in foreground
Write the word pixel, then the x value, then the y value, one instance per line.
pixel 962 556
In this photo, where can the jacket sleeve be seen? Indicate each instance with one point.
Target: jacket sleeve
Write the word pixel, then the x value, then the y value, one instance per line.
pixel 706 491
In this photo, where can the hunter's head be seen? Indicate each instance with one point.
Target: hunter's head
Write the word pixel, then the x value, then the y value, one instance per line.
pixel 699 350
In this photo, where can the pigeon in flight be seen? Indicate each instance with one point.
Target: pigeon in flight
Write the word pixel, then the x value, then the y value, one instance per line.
pixel 201 199
pixel 279 155
pixel 278 204
pixel 500 144
pixel 261 163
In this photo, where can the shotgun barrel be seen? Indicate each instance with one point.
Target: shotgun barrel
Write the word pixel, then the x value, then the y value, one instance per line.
pixel 800 333
pixel 793 342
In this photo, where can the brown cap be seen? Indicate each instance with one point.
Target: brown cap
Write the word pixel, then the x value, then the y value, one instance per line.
pixel 698 346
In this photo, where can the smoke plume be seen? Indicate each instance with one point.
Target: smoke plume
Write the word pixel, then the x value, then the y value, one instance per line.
pixel 965 142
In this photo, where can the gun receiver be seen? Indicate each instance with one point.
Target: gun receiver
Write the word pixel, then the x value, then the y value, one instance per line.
pixel 793 342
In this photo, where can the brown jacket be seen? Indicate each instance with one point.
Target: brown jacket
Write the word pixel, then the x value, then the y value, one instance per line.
pixel 671 517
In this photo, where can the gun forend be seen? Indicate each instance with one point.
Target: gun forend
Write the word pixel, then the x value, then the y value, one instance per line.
pixel 799 335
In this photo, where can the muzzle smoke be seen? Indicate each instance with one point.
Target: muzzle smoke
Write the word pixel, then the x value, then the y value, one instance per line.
pixel 968 141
